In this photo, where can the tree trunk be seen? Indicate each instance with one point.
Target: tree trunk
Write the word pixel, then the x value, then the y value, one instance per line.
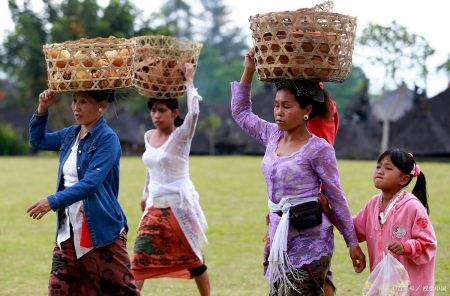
pixel 385 135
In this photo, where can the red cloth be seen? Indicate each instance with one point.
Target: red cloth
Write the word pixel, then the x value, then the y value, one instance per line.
pixel 325 128
pixel 85 239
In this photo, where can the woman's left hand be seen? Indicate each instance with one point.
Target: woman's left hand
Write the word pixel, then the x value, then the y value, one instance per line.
pixel 189 73
pixel 358 258
pixel 396 248
pixel 39 209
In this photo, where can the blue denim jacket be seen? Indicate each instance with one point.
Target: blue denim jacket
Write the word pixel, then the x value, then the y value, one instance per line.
pixel 98 174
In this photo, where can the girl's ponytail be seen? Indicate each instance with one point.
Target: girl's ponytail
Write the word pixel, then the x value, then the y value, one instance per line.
pixel 420 190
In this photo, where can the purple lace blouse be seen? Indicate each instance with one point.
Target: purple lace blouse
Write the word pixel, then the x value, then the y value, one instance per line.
pixel 298 175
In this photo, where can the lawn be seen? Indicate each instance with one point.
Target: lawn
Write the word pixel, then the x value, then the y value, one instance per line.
pixel 232 193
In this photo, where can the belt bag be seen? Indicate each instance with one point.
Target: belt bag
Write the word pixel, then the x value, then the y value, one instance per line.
pixel 305 215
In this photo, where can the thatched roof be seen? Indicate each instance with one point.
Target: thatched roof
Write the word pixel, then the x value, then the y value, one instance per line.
pixel 394 104
pixel 354 142
pixel 425 129
pixel 129 127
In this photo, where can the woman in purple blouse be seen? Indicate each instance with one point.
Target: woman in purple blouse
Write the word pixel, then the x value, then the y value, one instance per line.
pixel 296 166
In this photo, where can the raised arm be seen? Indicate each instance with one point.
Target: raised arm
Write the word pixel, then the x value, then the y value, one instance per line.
pixel 39 138
pixel 187 130
pixel 241 105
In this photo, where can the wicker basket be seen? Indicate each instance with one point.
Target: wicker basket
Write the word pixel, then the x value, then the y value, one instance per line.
pixel 159 65
pixel 310 44
pixel 89 64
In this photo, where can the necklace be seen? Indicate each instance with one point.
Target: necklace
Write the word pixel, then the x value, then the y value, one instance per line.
pixel 383 215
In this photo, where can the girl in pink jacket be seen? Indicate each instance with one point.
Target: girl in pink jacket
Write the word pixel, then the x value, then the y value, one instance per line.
pixel 399 221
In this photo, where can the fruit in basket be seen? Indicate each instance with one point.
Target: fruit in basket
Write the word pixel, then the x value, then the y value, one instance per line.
pixel 307 46
pixel 86 60
pixel 125 54
pixel 267 36
pixel 84 79
pixel 102 63
pixel 281 35
pixel 316 60
pixel 298 34
pixel 64 55
pixel 114 57
pixel 299 59
pixel 325 48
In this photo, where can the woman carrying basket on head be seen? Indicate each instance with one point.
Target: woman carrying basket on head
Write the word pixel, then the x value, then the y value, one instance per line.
pixel 90 255
pixel 295 165
pixel 171 234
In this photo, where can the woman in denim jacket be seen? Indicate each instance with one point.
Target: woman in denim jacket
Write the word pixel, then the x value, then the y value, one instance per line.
pixel 90 255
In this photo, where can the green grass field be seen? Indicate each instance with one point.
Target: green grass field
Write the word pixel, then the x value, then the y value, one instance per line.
pixel 232 193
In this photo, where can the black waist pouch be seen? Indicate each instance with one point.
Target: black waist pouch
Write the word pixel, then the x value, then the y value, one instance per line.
pixel 305 215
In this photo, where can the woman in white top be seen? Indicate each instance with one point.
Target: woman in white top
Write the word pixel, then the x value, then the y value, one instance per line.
pixel 171 234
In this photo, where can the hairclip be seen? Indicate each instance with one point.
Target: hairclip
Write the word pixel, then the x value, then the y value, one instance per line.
pixel 415 170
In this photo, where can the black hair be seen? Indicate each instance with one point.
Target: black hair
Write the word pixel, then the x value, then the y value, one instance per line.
pixel 406 164
pixel 172 104
pixel 306 93
pixel 101 95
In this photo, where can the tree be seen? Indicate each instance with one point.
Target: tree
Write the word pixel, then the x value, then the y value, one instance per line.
pixel 177 16
pixel 21 52
pixel 210 125
pixel 398 51
pixel 445 66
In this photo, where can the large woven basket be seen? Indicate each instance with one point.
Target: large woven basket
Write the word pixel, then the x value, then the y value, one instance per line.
pixel 159 64
pixel 310 44
pixel 89 64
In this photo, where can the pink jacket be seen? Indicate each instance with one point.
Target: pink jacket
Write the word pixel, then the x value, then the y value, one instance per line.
pixel 409 223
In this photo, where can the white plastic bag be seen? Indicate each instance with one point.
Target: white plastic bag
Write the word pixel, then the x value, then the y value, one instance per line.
pixel 388 278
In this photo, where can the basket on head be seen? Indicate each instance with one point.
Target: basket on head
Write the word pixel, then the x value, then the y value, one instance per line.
pixel 310 44
pixel 159 64
pixel 89 64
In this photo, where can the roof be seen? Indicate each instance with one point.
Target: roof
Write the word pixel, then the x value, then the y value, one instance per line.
pixel 394 104
pixel 424 130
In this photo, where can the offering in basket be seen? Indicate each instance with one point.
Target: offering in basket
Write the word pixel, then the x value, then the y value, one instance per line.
pixel 310 43
pixel 159 65
pixel 89 64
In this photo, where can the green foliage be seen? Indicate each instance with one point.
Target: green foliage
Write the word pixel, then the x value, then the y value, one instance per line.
pixel 233 196
pixel 210 124
pixel 21 52
pixel 11 143
pixel 397 50
pixel 445 66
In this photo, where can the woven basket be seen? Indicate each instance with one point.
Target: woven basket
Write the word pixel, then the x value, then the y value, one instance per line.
pixel 89 64
pixel 159 65
pixel 310 44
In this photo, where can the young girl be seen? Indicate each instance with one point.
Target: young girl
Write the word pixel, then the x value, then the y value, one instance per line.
pixel 398 220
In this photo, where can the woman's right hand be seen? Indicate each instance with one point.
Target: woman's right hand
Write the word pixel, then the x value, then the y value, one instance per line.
pixel 46 99
pixel 250 66
pixel 249 61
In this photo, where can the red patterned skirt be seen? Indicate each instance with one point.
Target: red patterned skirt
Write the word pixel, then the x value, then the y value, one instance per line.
pixel 161 249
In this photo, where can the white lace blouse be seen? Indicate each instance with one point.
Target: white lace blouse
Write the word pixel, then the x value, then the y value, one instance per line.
pixel 167 182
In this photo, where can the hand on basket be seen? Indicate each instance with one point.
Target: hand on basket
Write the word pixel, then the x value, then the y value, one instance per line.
pixel 189 73
pixel 249 61
pixel 46 99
